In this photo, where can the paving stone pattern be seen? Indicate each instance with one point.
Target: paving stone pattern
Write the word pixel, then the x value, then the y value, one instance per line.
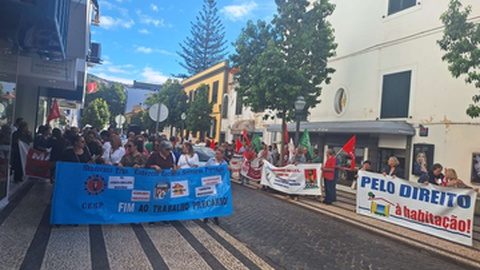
pixel 263 233
pixel 298 238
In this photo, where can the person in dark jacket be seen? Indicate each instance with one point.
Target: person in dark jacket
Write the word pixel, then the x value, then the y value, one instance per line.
pixel 41 140
pixel 78 153
pixel 21 135
pixel 434 176
pixel 393 170
pixel 58 145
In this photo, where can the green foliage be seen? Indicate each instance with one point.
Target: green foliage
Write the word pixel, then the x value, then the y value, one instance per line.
pixel 1 89
pixel 143 120
pixel 115 97
pixel 461 42
pixel 174 98
pixel 206 46
pixel 285 59
pixel 198 113
pixel 96 114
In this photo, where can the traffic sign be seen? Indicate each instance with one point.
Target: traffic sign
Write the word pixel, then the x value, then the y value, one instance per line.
pixel 155 115
pixel 120 119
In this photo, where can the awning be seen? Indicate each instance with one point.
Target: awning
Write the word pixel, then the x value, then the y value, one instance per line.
pixel 239 126
pixel 356 127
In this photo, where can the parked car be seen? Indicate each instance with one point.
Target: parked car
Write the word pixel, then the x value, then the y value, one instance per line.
pixel 204 154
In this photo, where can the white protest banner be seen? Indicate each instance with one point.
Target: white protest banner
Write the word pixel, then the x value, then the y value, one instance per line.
pixel 236 164
pixel 440 211
pixel 251 170
pixel 301 179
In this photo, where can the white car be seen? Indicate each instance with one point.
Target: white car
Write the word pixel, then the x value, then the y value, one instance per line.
pixel 204 154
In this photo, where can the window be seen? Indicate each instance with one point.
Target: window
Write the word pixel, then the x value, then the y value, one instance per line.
pixel 396 95
pixel 395 6
pixel 225 107
pixel 215 92
pixel 340 101
pixel 213 128
pixel 239 106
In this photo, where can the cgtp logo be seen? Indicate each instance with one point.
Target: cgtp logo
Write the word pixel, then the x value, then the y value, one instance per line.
pixel 95 185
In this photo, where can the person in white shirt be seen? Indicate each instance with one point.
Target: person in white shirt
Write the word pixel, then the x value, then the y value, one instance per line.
pixel 114 154
pixel 189 159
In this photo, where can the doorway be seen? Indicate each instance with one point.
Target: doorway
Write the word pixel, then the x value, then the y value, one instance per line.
pixel 385 153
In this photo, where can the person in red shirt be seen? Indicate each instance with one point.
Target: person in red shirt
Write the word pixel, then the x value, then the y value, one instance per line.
pixel 329 177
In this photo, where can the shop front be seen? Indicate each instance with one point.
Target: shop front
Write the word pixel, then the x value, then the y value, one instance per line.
pixel 375 141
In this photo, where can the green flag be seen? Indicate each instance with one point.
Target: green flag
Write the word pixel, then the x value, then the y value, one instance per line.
pixel 256 142
pixel 305 142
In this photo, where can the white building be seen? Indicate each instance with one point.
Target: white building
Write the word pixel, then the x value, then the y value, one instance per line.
pixel 390 84
pixel 236 118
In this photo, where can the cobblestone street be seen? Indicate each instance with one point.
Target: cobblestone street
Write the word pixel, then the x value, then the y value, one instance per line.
pixel 297 238
pixel 263 233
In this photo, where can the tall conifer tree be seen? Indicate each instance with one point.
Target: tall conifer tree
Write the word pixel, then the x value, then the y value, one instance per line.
pixel 206 46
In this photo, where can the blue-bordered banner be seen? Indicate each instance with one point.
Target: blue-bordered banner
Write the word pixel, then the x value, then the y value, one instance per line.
pixel 98 194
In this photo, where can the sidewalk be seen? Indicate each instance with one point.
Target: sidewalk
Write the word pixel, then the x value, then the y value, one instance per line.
pixel 463 255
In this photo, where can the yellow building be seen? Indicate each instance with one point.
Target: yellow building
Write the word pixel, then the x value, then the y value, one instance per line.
pixel 216 78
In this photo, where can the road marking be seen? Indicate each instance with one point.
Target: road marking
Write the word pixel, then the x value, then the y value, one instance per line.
pixel 18 229
pixel 235 252
pixel 68 248
pixel 36 251
pixel 98 248
pixel 242 248
pixel 174 249
pixel 215 248
pixel 124 249
pixel 207 256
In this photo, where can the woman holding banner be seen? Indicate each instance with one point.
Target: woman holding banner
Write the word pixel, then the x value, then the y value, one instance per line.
pixel 453 181
pixel 135 157
pixel 114 154
pixel 189 159
pixel 393 170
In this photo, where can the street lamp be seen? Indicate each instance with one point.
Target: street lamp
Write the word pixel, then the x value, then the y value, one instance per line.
pixel 299 106
pixel 183 116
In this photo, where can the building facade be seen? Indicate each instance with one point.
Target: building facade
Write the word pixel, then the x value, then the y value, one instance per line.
pixel 45 50
pixel 393 91
pixel 216 79
pixel 236 117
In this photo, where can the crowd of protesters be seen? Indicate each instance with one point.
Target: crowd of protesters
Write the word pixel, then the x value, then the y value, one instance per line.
pixel 143 151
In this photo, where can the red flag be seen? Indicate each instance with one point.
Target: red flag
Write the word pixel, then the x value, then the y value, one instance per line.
pixel 54 112
pixel 91 87
pixel 212 144
pixel 349 148
pixel 238 145
pixel 285 133
pixel 246 137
